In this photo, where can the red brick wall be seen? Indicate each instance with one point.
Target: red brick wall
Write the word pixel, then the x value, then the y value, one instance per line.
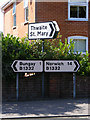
pixel 61 85
pixel 8 20
pixel 89 29
pixel 58 11
pixel 46 11
pixel 30 87
pixel 57 85
pixel 21 29
pixel 82 86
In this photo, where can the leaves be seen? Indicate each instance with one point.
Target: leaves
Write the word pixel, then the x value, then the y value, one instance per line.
pixel 22 49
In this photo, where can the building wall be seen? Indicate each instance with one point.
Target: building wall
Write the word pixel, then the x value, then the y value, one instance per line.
pixel 21 27
pixel 58 11
pixel 8 21
pixel 89 29
pixel 51 11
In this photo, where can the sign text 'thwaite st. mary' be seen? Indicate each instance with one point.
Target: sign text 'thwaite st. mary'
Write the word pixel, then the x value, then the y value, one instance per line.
pixel 45 30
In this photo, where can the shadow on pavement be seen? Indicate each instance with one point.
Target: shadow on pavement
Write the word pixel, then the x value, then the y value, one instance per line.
pixel 59 107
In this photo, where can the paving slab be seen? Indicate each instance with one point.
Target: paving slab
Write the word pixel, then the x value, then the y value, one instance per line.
pixel 45 108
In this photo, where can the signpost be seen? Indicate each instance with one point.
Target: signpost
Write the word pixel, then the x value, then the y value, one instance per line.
pixel 61 66
pixel 45 30
pixel 49 66
pixel 27 66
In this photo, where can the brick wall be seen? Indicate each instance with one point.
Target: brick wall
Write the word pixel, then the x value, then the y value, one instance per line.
pixel 82 86
pixel 8 90
pixel 45 11
pixel 89 29
pixel 21 28
pixel 8 20
pixel 30 88
pixel 61 85
pixel 58 11
pixel 57 85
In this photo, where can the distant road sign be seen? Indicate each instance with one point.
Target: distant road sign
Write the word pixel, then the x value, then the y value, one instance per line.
pixel 27 66
pixel 61 66
pixel 45 30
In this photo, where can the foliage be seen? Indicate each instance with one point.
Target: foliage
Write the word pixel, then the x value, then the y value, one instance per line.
pixel 22 49
pixel 13 49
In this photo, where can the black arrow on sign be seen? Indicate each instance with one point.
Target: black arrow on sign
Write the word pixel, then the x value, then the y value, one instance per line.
pixel 14 66
pixel 51 29
pixel 77 67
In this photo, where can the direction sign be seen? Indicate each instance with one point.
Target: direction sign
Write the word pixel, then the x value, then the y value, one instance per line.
pixel 57 29
pixel 27 66
pixel 43 30
pixel 61 66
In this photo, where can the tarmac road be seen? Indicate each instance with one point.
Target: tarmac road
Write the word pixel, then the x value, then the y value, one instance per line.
pixel 46 108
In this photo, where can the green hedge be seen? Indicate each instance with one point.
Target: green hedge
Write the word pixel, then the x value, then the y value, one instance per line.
pixel 22 49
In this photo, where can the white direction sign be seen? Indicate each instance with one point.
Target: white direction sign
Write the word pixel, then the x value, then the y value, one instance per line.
pixel 57 29
pixel 61 66
pixel 43 30
pixel 27 66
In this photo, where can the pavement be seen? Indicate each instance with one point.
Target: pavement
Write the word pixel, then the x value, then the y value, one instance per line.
pixel 45 108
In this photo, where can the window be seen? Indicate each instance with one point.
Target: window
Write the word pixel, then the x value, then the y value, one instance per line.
pixel 14 14
pixel 26 10
pixel 78 10
pixel 81 43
